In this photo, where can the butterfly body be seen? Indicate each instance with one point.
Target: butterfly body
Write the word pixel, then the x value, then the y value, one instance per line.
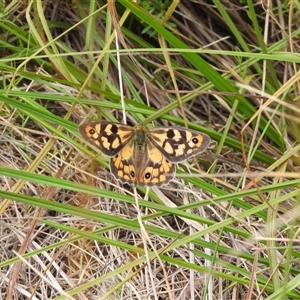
pixel 141 156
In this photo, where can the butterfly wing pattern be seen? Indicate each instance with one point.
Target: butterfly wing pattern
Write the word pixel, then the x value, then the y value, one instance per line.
pixel 141 156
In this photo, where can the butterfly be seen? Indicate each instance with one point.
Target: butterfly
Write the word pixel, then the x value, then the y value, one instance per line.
pixel 141 156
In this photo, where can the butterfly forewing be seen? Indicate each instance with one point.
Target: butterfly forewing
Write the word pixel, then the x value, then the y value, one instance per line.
pixel 108 137
pixel 178 144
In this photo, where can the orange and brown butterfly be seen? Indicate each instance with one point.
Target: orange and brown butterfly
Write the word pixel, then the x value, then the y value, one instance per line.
pixel 141 156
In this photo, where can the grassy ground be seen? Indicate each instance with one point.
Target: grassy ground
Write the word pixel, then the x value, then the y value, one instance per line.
pixel 226 227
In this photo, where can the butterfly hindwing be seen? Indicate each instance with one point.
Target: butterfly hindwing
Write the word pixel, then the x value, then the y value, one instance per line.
pixel 156 170
pixel 122 165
